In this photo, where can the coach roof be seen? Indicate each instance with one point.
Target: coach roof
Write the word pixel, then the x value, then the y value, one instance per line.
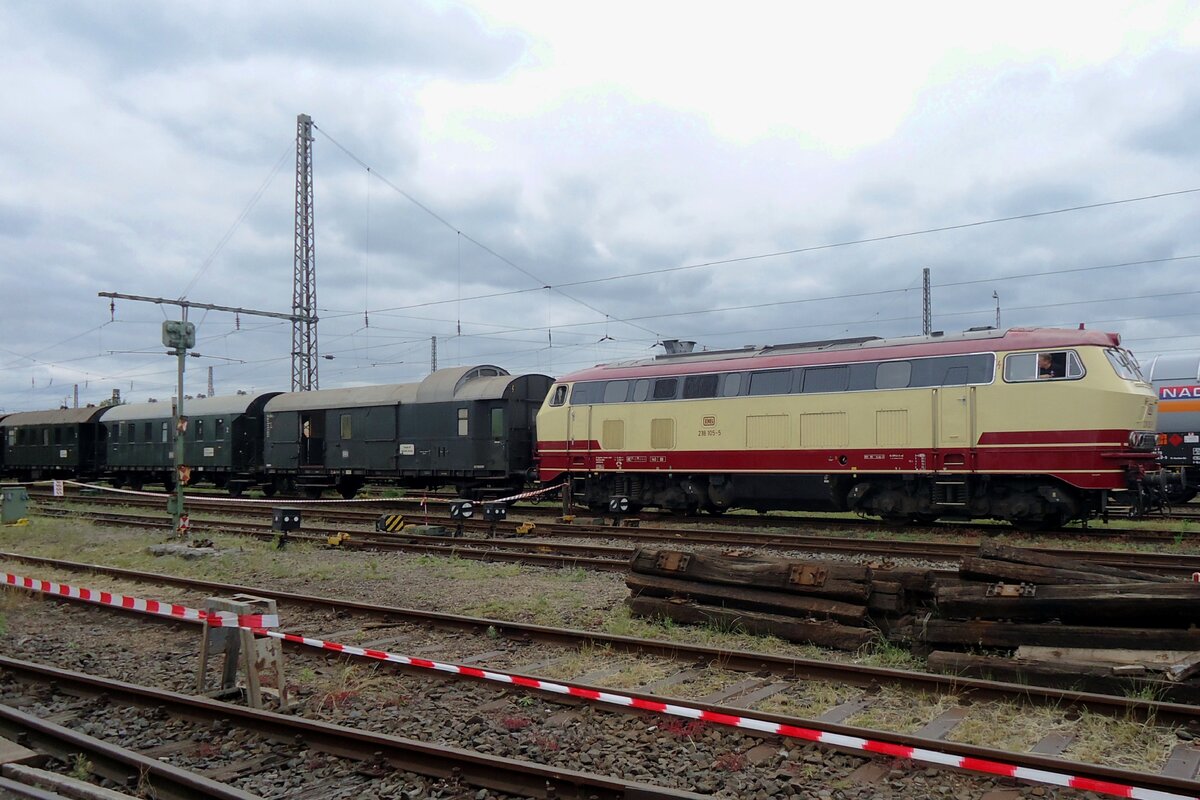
pixel 196 407
pixel 842 351
pixel 61 416
pixel 480 382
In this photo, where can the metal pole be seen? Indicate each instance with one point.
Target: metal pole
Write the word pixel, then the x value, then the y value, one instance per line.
pixel 926 304
pixel 177 509
pixel 996 297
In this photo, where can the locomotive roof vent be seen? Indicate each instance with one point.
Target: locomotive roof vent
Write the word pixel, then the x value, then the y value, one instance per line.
pixel 979 328
pixel 676 346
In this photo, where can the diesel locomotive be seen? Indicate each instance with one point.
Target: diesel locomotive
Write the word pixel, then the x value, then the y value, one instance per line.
pixel 1033 426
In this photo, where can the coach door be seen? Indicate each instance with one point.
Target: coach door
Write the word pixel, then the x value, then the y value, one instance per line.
pixel 955 421
pixel 579 434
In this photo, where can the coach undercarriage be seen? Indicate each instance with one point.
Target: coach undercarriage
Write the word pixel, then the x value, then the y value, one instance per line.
pixel 1025 501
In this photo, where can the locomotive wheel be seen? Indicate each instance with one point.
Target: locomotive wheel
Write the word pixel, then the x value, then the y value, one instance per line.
pixel 1050 522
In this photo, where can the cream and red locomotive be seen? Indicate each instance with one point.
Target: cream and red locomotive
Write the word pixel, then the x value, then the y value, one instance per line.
pixel 1034 426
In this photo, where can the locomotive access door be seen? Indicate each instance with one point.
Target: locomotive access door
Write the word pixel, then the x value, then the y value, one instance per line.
pixel 955 417
pixel 579 434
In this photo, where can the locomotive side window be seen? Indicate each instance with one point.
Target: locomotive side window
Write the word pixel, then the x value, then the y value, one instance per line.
pixel 700 386
pixel 1046 365
pixel 825 379
pixel 893 375
pixel 616 391
pixel 733 385
pixel 559 395
pixel 777 381
pixel 665 388
pixel 641 390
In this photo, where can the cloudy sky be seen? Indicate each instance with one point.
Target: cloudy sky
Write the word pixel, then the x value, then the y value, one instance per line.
pixel 726 173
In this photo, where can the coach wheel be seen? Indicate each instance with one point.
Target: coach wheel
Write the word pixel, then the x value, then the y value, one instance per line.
pixel 349 488
pixel 169 483
pixel 235 489
pixel 313 492
pixel 116 483
pixel 136 484
pixel 269 490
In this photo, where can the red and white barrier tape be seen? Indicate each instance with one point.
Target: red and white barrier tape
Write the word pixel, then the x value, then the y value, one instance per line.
pixel 873 746
pixel 217 619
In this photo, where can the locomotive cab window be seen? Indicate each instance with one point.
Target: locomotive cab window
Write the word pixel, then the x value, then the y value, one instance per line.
pixel 1043 366
pixel 559 396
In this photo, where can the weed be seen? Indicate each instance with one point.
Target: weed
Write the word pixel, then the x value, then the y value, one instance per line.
pixel 683 728
pixel 492 633
pixel 81 767
pixel 526 701
pixel 730 762
pixel 546 743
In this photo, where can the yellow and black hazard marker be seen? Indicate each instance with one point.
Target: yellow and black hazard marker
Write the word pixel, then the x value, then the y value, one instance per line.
pixel 390 523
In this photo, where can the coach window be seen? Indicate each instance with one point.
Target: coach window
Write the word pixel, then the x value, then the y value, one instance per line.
pixel 893 375
pixel 615 391
pixel 777 381
pixel 733 385
pixel 164 433
pixel 559 395
pixel 497 423
pixel 462 422
pixel 825 379
pixel 199 428
pixel 695 386
pixel 346 425
pixel 665 388
pixel 149 437
pixel 58 435
pixel 641 390
pixel 133 431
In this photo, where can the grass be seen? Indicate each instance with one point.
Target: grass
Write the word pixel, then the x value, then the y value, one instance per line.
pixel 1120 743
pixel 1008 726
pixel 902 711
pixel 809 700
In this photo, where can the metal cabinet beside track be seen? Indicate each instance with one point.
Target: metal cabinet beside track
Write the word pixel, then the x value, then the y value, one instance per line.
pixel 469 427
pixel 222 442
pixel 49 444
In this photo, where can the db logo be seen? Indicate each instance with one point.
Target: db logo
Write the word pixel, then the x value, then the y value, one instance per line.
pixel 709 421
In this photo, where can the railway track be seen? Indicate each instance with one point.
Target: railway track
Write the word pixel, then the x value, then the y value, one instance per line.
pixel 506 775
pixel 544 551
pixel 926 737
pixel 760 525
pixel 783 667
